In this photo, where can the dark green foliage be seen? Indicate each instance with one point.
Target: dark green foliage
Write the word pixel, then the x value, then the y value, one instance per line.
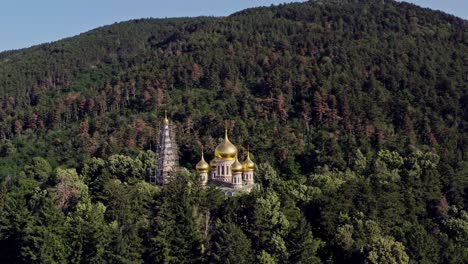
pixel 230 245
pixel 39 169
pixel 177 232
pixel 89 234
pixel 355 111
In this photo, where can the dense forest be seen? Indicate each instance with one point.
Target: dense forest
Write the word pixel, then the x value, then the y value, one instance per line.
pixel 356 112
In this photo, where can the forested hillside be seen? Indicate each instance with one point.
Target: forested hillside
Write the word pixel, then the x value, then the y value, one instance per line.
pixel 356 112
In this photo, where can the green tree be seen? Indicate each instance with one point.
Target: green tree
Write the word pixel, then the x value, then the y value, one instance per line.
pixel 125 168
pixel 15 215
pixel 265 258
pixel 7 148
pixel 43 236
pixel 387 251
pixel 177 234
pixel 270 225
pixel 40 169
pixel 88 234
pixel 230 245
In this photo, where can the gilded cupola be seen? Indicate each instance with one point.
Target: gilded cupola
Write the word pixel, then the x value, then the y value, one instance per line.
pixel 213 164
pixel 202 165
pixel 226 150
pixel 237 167
pixel 166 120
pixel 248 163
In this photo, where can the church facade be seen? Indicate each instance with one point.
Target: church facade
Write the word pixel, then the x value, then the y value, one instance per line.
pixel 224 170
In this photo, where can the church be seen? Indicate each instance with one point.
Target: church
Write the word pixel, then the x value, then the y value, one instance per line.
pixel 224 170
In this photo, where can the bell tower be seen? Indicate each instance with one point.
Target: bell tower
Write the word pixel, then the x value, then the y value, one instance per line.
pixel 166 154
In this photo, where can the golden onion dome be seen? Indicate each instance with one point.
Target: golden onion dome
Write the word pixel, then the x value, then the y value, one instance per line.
pixel 213 164
pixel 237 167
pixel 226 150
pixel 202 165
pixel 248 163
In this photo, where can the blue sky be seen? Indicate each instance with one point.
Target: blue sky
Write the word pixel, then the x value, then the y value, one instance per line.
pixel 24 23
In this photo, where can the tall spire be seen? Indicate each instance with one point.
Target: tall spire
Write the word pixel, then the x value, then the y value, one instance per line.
pixel 166 121
pixel 166 152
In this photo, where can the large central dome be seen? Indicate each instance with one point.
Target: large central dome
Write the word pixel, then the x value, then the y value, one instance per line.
pixel 226 150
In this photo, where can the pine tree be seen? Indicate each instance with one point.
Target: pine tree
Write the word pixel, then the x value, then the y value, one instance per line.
pixel 230 245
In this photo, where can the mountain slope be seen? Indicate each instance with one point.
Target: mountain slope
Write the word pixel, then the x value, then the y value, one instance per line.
pixel 391 67
pixel 356 113
pixel 386 71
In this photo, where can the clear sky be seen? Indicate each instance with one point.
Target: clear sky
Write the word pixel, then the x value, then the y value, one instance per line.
pixel 24 23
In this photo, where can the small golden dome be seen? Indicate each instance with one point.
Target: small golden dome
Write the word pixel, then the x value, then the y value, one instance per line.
pixel 166 121
pixel 226 150
pixel 248 163
pixel 237 167
pixel 202 165
pixel 213 164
